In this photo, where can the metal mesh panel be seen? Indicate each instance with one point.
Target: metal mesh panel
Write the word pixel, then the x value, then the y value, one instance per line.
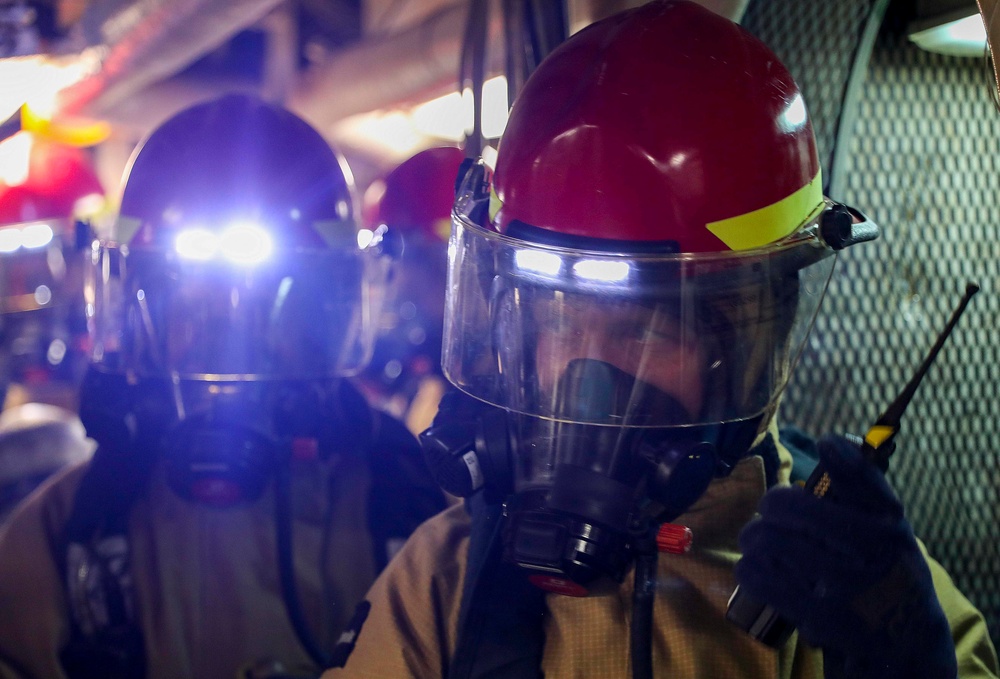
pixel 817 56
pixel 923 162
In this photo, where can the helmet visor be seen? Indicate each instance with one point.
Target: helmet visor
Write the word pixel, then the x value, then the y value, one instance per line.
pixel 550 332
pixel 304 315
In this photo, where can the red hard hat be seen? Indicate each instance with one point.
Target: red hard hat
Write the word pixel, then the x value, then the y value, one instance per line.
pixel 414 201
pixel 667 123
pixel 59 177
pixel 236 158
pixel 417 196
pixel 235 254
pixel 657 191
pixel 20 203
pixel 63 174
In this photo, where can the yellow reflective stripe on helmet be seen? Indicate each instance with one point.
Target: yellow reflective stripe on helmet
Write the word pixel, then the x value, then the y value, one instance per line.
pixel 495 203
pixel 77 132
pixel 442 228
pixel 772 223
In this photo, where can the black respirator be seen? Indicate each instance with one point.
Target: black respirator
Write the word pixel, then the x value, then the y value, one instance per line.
pixel 579 492
pixel 220 445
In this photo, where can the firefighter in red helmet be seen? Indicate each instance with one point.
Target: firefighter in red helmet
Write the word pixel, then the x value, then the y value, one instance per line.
pixel 243 495
pixel 414 200
pixel 640 273
pixel 47 188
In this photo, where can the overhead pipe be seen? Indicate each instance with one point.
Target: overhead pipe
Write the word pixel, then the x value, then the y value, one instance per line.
pixel 409 67
pixel 143 42
pixel 422 62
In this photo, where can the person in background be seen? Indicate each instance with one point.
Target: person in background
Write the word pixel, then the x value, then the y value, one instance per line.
pixel 640 274
pixel 243 495
pixel 49 188
pixel 36 441
pixel 413 200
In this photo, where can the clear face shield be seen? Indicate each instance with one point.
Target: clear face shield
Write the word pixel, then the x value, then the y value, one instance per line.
pixel 628 381
pixel 279 316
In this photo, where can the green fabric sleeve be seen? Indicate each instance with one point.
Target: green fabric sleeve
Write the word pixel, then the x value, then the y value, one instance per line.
pixel 977 657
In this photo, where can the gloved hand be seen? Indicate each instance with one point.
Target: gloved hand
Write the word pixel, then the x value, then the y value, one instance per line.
pixel 848 573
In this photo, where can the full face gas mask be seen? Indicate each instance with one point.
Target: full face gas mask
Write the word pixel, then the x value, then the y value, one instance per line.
pixel 233 292
pixel 612 388
pixel 224 307
pixel 238 364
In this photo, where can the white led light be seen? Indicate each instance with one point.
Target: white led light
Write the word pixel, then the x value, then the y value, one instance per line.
pixel 37 80
pixel 10 239
pixel 451 115
pixel 365 237
pixel 538 262
pixel 246 243
pixel 197 244
pixel 43 295
pixel 56 352
pixel 36 235
pixel 241 242
pixel 495 111
pixel 490 157
pixel 15 158
pixel 601 270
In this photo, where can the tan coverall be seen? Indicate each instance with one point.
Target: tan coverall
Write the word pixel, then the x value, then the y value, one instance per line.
pixel 206 579
pixel 412 628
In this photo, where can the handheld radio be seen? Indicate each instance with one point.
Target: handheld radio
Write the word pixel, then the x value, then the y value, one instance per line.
pixel 759 619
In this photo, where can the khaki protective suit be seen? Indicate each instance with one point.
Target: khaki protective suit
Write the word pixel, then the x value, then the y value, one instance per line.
pixel 412 628
pixel 206 579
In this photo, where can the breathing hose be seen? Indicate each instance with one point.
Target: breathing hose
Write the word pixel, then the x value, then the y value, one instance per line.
pixel 643 596
pixel 286 567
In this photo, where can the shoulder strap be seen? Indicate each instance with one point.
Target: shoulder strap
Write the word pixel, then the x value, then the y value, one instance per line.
pixel 501 630
pixel 94 551
pixel 105 640
pixel 403 493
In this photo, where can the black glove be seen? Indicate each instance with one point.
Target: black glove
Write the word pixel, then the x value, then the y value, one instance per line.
pixel 848 573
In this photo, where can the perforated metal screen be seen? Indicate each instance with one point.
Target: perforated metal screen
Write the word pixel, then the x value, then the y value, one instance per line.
pixel 922 159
